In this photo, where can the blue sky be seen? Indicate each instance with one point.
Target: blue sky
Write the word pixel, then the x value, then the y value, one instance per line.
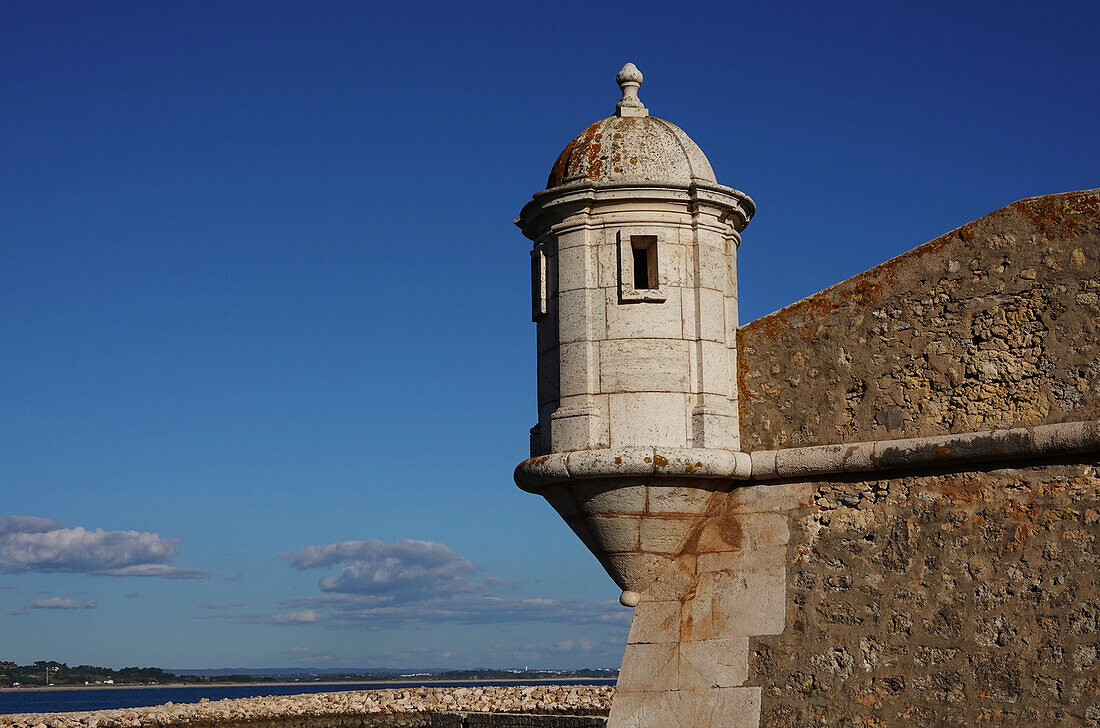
pixel 265 351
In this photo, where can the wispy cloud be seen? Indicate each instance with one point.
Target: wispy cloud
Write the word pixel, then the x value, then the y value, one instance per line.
pixel 306 616
pixel 370 614
pixel 59 603
pixel 29 544
pixel 415 584
pixel 218 605
pixel 16 611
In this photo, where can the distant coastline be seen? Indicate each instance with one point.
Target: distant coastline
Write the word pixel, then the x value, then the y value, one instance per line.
pixel 428 681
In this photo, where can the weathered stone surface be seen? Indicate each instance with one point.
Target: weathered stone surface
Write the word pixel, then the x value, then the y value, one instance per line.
pixel 719 663
pixel 655 621
pixel 968 598
pixel 632 149
pixel 993 325
pixel 649 666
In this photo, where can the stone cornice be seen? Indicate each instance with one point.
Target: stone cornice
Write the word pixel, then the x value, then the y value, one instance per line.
pixel 1040 441
pixel 734 206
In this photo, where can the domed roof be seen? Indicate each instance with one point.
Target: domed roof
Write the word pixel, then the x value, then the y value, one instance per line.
pixel 632 149
pixel 632 146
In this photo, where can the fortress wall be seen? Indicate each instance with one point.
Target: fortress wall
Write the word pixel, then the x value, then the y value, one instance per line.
pixel 948 599
pixel 993 325
pixel 966 596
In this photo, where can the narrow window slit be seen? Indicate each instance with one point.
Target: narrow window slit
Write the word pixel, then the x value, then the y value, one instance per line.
pixel 644 248
pixel 641 269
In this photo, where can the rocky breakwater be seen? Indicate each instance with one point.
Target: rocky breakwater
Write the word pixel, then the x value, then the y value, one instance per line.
pixel 409 708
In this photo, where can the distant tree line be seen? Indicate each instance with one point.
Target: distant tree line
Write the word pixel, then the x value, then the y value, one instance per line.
pixel 50 672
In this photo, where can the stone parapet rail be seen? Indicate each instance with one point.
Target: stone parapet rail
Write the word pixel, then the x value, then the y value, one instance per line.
pixel 408 708
pixel 1039 441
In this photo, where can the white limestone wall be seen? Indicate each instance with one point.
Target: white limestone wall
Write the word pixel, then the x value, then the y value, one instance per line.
pixel 616 372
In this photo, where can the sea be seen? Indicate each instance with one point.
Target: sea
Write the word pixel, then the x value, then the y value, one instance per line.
pixel 62 699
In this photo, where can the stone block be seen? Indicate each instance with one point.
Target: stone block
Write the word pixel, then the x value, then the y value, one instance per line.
pixel 764 530
pixel 727 708
pixel 540 469
pixel 672 265
pixel 678 499
pixel 576 429
pixel 712 314
pixel 615 534
pixel 648 418
pixel 714 374
pixel 580 315
pixel 718 561
pixel 620 461
pixel 763 464
pixel 665 535
pixel 674 581
pixel 644 365
pixel 604 499
pixel 577 268
pixel 651 709
pixel 720 663
pixel 732 314
pixel 638 571
pixel 742 532
pixel 696 462
pixel 649 667
pixel 713 263
pixel 579 370
pixel 655 621
pixel 572 238
pixel 824 459
pixel 746 602
pixel 607 257
pixel 773 498
pixel 714 428
pixel 650 319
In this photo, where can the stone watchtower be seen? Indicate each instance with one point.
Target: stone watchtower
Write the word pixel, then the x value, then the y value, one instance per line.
pixel 634 281
pixel 914 531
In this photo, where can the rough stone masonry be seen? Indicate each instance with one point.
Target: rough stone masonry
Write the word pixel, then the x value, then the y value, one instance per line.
pixel 878 506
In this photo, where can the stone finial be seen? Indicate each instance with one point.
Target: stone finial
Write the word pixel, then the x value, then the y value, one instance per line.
pixel 629 79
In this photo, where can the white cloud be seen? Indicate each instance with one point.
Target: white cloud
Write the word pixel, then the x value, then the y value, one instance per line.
pixel 414 584
pixel 403 570
pixel 59 603
pixel 166 571
pixel 30 544
pixel 26 524
pixel 306 616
